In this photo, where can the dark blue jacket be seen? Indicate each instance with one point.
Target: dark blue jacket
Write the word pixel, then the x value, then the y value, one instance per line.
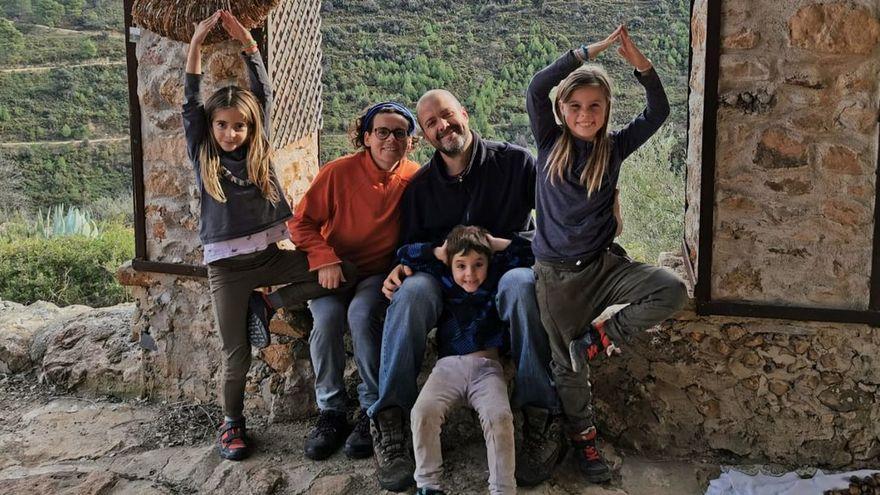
pixel 570 225
pixel 469 321
pixel 497 192
pixel 246 211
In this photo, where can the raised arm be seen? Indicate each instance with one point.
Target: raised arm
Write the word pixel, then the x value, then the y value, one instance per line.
pixel 194 120
pixel 258 77
pixel 641 128
pixel 538 104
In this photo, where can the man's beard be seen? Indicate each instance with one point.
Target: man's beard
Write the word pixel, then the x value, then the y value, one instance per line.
pixel 457 146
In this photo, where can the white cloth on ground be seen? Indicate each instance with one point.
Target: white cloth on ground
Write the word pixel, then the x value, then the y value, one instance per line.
pixel 734 482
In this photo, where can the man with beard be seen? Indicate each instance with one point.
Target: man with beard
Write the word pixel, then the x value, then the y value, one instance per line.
pixel 469 181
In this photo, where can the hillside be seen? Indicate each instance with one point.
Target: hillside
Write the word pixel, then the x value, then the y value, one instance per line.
pixel 485 52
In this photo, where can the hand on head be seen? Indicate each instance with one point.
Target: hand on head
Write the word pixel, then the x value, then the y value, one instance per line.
pixel 440 253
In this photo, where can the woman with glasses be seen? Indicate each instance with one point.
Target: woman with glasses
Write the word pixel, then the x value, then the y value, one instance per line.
pixel 350 212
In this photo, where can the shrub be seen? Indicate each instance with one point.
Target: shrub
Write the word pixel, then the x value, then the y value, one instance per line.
pixel 652 199
pixel 65 270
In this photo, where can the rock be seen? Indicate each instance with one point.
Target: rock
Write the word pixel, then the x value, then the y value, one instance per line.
pixel 842 160
pixel 778 387
pixel 744 39
pixel 841 399
pixel 278 357
pixel 19 325
pixel 93 353
pixel 294 397
pixel 333 485
pixel 841 28
pixel 79 429
pixel 780 149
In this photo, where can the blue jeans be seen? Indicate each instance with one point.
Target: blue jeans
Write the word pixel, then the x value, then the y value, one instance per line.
pixel 362 308
pixel 414 310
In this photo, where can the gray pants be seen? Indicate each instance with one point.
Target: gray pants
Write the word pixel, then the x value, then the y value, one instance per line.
pixel 361 311
pixel 232 280
pixel 571 297
pixel 479 383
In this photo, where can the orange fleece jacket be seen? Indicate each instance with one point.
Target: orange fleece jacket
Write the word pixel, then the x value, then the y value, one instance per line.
pixel 351 212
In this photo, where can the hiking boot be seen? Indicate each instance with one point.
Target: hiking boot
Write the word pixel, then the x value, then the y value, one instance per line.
pixel 429 491
pixel 258 316
pixel 589 459
pixel 542 446
pixel 232 440
pixel 582 350
pixel 359 444
pixel 327 435
pixel 395 462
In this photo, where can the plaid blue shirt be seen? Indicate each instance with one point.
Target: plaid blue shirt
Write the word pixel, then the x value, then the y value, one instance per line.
pixel 469 321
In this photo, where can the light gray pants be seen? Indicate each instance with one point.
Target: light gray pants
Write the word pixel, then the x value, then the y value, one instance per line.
pixel 479 383
pixel 571 297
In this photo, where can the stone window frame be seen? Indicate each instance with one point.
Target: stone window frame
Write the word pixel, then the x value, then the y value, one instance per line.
pixel 700 271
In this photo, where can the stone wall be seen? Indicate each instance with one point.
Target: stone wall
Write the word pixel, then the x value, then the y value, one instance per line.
pixel 763 390
pixel 796 152
pixel 796 160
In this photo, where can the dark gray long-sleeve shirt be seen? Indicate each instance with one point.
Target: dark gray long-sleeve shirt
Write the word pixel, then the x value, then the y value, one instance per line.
pixel 571 226
pixel 246 211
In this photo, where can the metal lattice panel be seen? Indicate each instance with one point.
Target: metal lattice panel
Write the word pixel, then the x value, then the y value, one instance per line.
pixel 295 69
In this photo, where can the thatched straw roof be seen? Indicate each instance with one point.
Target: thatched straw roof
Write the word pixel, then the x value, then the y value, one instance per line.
pixel 174 18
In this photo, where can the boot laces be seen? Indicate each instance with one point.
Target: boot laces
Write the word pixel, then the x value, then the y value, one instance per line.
pixel 326 424
pixel 391 441
pixel 362 427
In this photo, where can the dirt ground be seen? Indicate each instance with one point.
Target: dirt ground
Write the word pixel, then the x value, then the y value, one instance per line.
pixel 51 442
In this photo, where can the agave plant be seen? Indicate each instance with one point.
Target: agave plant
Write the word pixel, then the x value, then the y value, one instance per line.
pixel 60 222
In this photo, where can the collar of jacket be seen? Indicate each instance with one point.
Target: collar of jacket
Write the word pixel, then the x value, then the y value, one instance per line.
pixel 478 156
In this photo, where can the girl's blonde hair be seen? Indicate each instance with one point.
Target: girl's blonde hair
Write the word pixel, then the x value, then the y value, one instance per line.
pixel 259 153
pixel 561 159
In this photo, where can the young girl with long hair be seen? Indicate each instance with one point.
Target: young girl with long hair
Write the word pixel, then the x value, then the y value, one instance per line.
pixel 243 215
pixel 579 270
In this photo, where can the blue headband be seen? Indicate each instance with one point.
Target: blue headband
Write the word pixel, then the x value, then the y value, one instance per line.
pixel 395 107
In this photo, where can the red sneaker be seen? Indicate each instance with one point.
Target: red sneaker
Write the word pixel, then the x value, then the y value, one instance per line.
pixel 589 459
pixel 584 349
pixel 232 440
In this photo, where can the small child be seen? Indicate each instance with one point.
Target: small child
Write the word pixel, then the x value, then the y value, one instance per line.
pixel 470 336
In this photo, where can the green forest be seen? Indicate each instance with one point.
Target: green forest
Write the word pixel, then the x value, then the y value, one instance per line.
pixel 64 113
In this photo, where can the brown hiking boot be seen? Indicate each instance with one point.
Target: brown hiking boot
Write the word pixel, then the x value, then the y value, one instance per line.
pixel 589 458
pixel 395 461
pixel 542 446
